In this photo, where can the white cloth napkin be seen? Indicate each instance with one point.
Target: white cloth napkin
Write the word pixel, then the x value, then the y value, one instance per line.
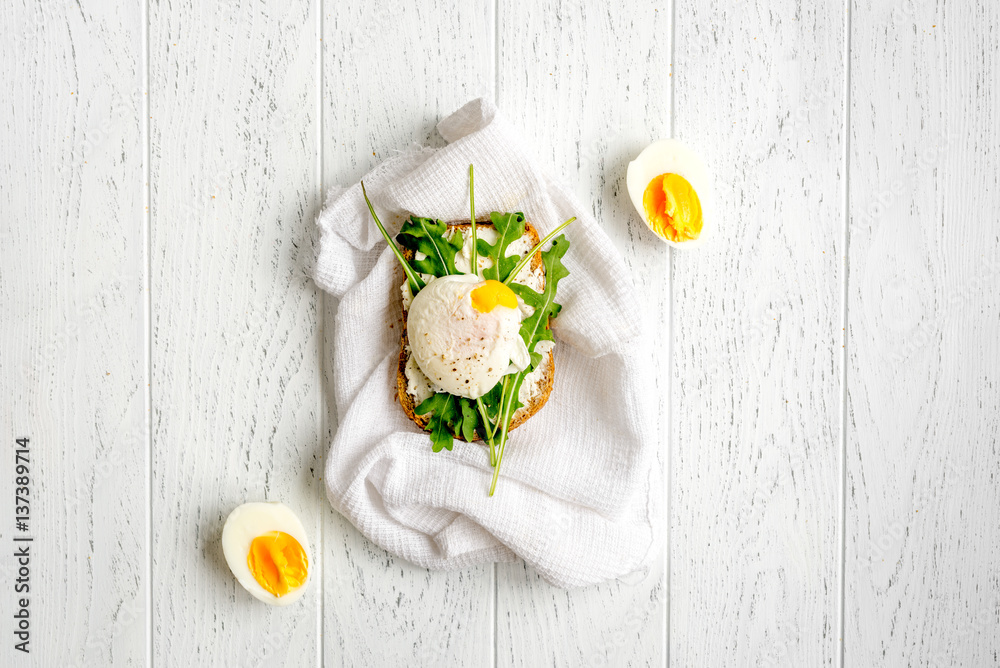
pixel 579 491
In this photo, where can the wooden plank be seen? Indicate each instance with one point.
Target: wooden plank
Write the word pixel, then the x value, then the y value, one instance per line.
pixel 390 73
pixel 236 387
pixel 608 72
pixel 758 335
pixel 923 505
pixel 72 371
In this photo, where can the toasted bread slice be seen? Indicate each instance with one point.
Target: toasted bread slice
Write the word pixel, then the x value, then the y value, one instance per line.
pixel 548 363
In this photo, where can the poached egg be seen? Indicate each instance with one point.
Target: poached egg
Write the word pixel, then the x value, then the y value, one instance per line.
pixel 465 334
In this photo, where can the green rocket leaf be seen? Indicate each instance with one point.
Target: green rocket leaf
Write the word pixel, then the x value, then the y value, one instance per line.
pixel 451 416
pixel 534 328
pixel 470 419
pixel 443 420
pixel 427 236
pixel 509 228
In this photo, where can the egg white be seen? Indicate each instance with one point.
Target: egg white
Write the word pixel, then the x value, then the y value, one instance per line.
pixel 669 156
pixel 246 523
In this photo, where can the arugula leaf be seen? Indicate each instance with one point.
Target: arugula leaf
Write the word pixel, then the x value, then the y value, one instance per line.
pixel 513 399
pixel 509 228
pixel 443 420
pixel 427 236
pixel 416 283
pixel 451 416
pixel 530 254
pixel 533 330
pixel 534 327
pixel 492 401
pixel 508 406
pixel 474 260
pixel 470 419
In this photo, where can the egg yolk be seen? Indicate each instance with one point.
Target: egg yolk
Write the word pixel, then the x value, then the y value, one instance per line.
pixel 673 208
pixel 278 562
pixel 487 296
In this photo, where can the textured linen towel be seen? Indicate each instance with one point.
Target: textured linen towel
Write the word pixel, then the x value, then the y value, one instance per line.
pixel 579 491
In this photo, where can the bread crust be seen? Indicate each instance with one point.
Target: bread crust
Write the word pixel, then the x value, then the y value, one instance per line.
pixel 548 375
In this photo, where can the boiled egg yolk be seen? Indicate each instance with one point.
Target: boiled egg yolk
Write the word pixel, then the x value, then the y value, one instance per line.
pixel 672 207
pixel 277 562
pixel 487 296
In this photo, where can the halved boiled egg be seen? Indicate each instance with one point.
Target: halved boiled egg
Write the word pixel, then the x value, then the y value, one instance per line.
pixel 266 549
pixel 670 188
pixel 465 334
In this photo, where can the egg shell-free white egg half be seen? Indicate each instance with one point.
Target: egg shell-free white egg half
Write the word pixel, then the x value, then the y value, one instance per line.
pixel 246 523
pixel 669 156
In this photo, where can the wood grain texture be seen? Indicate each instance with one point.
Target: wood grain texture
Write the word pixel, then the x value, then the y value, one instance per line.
pixel 923 504
pixel 391 71
pixel 588 86
pixel 72 370
pixel 256 108
pixel 235 317
pixel 757 339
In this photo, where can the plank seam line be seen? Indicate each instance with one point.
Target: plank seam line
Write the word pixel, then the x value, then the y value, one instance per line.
pixel 496 101
pixel 496 53
pixel 320 340
pixel 668 483
pixel 842 510
pixel 147 326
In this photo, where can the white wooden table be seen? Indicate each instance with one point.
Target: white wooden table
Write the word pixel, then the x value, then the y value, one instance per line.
pixel 830 366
